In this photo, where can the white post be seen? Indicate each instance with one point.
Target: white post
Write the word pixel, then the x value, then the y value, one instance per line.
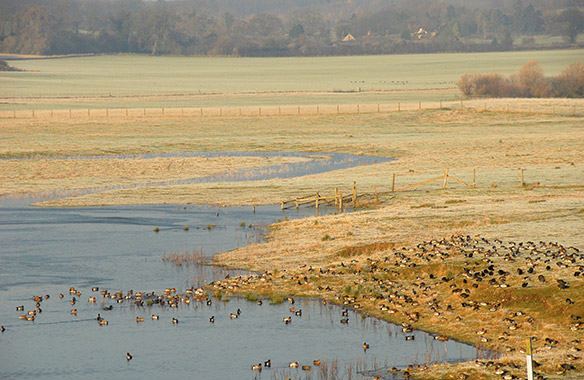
pixel 529 361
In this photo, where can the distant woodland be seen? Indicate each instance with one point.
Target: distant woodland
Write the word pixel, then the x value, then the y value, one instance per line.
pixel 286 27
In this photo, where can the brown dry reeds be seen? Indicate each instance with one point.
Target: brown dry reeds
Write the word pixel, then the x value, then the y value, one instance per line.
pixel 186 259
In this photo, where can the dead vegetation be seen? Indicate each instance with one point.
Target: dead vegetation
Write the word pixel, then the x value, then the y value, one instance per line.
pixel 487 292
pixel 407 258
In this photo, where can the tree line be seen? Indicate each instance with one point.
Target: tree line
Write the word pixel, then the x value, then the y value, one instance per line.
pixel 528 82
pixel 282 27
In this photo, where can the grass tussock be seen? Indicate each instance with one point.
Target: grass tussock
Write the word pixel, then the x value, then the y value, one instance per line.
pixel 367 249
pixel 185 258
pixel 276 298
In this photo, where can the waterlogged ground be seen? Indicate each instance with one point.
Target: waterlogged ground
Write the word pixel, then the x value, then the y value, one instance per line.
pixel 47 251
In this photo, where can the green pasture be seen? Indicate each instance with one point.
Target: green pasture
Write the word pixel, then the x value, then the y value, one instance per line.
pixel 125 80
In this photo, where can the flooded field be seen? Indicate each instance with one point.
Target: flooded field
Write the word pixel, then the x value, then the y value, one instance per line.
pixel 47 251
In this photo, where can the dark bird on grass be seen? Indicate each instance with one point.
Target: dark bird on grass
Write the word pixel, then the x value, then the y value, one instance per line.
pixel 268 363
pixel 365 346
pixel 2 329
pixel 345 320
pixel 128 356
pixel 174 320
pixel 212 319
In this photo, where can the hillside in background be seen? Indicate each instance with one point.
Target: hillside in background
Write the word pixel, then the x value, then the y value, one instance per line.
pixel 285 28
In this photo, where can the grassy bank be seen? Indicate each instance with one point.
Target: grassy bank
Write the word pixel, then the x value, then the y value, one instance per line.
pixel 406 258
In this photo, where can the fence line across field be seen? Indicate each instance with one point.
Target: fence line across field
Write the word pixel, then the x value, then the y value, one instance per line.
pixel 289 110
pixel 338 200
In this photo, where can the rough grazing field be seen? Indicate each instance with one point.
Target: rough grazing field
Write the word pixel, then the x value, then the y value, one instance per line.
pixel 490 265
pixel 139 81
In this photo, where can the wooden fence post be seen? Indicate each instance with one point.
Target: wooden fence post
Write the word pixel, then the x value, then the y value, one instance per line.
pixel 529 360
pixel 474 174
pixel 419 106
pixel 282 205
pixel 336 196
pixel 297 204
pixel 375 193
pixel 358 109
pixel 279 110
pixel 378 108
pixel 354 194
pixel 398 107
pixel 14 114
pixel 317 110
pixel 298 110
pixel 440 103
pixel 338 109
pixel 341 202
pixel 316 201
pixel 201 111
pixel 32 113
pixel 392 182
pixel 522 181
pixel 445 179
pixel 259 111
pixel 163 112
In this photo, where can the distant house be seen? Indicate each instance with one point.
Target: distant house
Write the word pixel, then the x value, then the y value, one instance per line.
pixel 348 37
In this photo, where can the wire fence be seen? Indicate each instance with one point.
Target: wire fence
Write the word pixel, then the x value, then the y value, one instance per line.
pixel 564 109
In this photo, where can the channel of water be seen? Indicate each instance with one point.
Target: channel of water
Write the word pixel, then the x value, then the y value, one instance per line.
pixel 48 250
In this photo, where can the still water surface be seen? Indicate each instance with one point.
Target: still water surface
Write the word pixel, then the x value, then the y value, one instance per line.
pixel 45 251
pixel 48 250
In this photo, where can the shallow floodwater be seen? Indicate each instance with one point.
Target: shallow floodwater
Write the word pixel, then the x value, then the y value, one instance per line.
pixel 46 251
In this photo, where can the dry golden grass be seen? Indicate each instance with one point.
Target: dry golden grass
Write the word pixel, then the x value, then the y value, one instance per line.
pixel 42 175
pixel 497 144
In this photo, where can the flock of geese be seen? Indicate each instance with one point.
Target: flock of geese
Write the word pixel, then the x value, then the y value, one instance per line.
pixel 535 264
pixel 169 298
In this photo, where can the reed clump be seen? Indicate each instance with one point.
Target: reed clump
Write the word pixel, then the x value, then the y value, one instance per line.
pixel 195 257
